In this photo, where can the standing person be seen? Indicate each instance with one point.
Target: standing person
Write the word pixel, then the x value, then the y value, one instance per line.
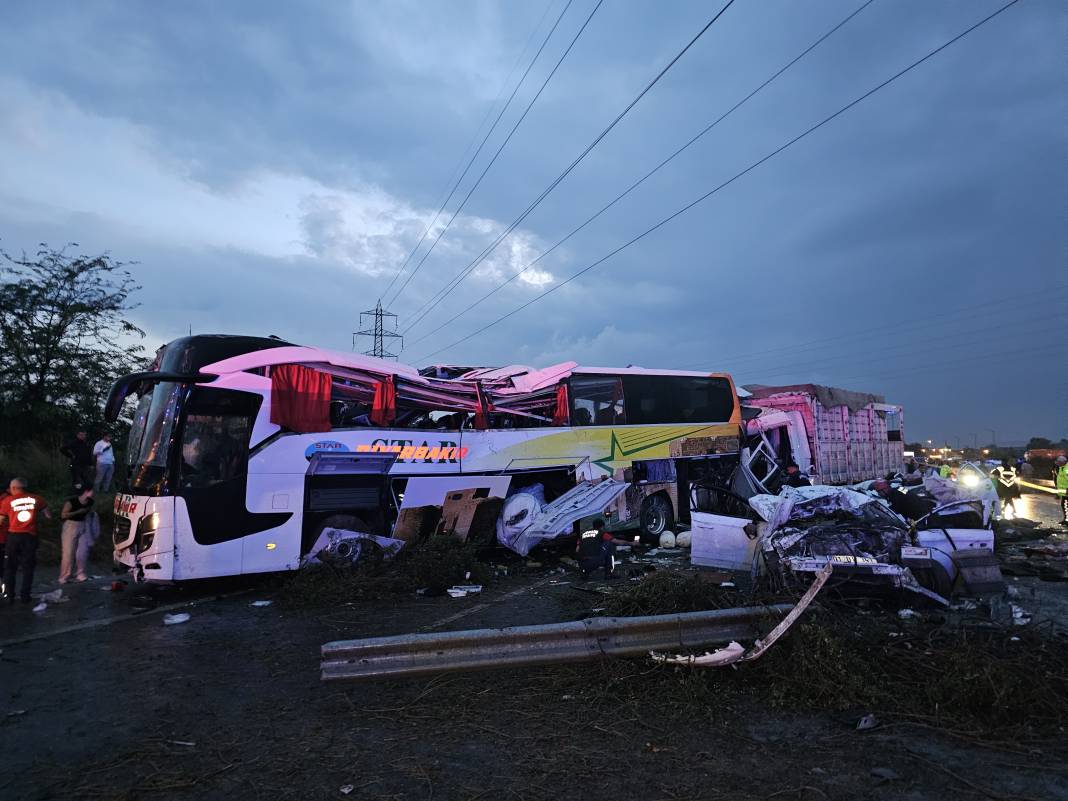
pixel 1027 470
pixel 21 508
pixel 105 463
pixel 1007 486
pixel 944 470
pixel 81 461
pixel 3 538
pixel 76 537
pixel 1060 481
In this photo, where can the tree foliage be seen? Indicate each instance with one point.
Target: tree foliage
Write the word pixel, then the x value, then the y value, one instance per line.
pixel 64 338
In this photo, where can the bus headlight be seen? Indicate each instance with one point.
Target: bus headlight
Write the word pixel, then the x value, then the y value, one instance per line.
pixel 969 480
pixel 146 532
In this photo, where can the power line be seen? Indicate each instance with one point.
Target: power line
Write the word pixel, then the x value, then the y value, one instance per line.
pixel 892 351
pixel 948 315
pixel 729 181
pixel 507 139
pixel 467 271
pixel 474 138
pixel 983 359
pixel 556 181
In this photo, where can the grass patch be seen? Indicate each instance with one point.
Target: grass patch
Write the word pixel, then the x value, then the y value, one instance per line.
pixel 990 682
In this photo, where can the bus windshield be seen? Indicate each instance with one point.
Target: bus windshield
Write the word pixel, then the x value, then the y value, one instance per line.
pixel 150 437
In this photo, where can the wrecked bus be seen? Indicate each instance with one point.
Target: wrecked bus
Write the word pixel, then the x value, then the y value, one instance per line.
pixel 250 455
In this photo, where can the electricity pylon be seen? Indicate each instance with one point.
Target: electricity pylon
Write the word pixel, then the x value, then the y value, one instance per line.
pixel 384 327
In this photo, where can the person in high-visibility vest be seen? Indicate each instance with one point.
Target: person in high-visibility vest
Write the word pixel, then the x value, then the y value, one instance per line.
pixel 944 470
pixel 1060 481
pixel 1007 486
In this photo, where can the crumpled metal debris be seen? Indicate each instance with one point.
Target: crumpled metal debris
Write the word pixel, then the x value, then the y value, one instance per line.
pixel 856 533
pixel 734 653
pixel 337 546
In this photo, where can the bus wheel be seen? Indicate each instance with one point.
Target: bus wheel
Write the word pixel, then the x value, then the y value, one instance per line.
pixel 656 516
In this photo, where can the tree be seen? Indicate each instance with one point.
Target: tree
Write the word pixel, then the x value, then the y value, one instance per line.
pixel 64 338
pixel 1038 443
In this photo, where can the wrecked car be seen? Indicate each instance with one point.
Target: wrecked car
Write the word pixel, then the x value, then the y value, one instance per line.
pixel 800 531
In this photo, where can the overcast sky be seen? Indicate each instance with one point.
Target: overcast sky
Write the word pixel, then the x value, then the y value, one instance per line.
pixel 270 165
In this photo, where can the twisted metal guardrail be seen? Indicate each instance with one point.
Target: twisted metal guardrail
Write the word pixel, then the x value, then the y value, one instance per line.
pixel 410 655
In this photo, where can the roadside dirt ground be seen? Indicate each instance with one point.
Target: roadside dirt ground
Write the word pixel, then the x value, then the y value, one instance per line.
pixel 229 705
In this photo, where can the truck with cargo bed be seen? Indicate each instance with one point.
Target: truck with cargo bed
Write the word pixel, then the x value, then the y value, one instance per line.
pixel 834 435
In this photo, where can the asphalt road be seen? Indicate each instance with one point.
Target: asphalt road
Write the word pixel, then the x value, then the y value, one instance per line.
pixel 97 701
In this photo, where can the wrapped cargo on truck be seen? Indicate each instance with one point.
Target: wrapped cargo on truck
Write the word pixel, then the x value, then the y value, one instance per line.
pixel 852 436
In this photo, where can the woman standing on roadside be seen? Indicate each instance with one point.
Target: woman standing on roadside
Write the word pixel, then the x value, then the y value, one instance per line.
pixel 77 536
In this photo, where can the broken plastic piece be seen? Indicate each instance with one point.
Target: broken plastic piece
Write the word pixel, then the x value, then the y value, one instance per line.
pixel 907 614
pixel 867 722
pixel 345 789
pixel 734 653
pixel 722 656
pixel 40 607
pixel 175 619
pixel 260 603
pixel 54 597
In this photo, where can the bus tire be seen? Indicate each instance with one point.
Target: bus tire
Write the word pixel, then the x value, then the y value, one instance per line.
pixel 656 516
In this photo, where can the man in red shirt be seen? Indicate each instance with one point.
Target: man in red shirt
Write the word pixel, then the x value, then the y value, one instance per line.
pixel 19 511
pixel 3 538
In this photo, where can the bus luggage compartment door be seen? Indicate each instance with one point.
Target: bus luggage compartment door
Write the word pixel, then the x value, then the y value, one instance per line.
pixel 347 484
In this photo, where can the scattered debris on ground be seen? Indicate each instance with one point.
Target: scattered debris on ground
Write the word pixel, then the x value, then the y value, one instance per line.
pixel 431 566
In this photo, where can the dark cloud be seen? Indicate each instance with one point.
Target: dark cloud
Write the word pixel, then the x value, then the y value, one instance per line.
pixel 269 164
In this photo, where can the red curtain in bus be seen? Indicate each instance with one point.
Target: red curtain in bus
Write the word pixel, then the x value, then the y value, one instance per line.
pixel 300 398
pixel 560 412
pixel 384 408
pixel 484 407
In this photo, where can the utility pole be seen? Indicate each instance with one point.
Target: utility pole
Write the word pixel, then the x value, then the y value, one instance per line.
pixel 383 326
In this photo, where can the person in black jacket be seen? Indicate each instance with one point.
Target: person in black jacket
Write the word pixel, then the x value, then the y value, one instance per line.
pixel 81 461
pixel 794 477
